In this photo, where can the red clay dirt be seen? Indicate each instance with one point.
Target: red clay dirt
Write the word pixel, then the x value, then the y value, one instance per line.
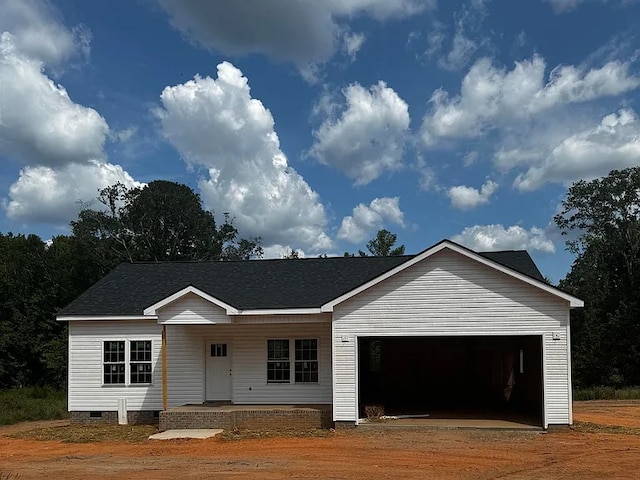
pixel 621 413
pixel 404 454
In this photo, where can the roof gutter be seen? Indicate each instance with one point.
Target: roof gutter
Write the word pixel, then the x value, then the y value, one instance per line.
pixel 85 318
pixel 281 311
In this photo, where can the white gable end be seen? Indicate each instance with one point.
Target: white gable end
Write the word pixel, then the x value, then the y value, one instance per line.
pixel 449 286
pixel 190 290
pixel 467 255
pixel 191 309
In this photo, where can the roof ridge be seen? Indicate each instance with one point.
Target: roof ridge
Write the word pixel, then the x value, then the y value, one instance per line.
pixel 197 262
pixel 504 251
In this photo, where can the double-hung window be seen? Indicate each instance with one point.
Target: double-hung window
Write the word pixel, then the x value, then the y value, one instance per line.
pixel 140 361
pixel 114 362
pixel 127 362
pixel 278 364
pixel 304 361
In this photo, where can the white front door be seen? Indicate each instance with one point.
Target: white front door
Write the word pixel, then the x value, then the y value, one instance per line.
pixel 218 371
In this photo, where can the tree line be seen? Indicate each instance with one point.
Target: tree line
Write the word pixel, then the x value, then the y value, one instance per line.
pixel 601 220
pixel 165 221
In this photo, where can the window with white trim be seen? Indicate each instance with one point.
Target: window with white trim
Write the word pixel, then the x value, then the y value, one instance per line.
pixel 305 361
pixel 278 364
pixel 140 361
pixel 114 362
pixel 127 366
pixel 306 364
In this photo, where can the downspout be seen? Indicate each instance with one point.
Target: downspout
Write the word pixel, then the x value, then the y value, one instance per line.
pixel 164 367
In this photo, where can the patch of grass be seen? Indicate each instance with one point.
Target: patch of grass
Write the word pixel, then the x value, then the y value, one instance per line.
pixel 606 393
pixel 91 433
pixel 588 427
pixel 32 403
pixel 238 434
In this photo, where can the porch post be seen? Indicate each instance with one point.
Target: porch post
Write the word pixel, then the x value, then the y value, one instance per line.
pixel 164 367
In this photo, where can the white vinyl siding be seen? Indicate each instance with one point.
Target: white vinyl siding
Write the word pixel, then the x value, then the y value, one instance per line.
pixel 192 309
pixel 86 389
pixel 448 294
pixel 186 363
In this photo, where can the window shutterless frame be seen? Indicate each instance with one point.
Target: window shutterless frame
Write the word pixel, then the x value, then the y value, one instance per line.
pixel 127 362
pixel 293 361
pixel 278 360
pixel 114 363
pixel 306 360
pixel 140 362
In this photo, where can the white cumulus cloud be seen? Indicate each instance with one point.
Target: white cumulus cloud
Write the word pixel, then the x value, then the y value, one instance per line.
pixel 466 198
pixel 300 31
pixel 215 123
pixel 40 122
pixel 491 96
pixel 37 31
pixel 59 142
pixel 367 219
pixel 506 159
pixel 368 136
pixel 613 144
pixel 44 194
pixel 486 238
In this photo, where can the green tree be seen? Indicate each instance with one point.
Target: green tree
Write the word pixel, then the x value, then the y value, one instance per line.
pixel 383 245
pixel 32 343
pixel 291 254
pixel 161 221
pixel 380 246
pixel 602 221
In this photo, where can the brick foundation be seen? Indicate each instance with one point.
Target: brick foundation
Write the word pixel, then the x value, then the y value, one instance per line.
pixel 345 425
pixel 133 417
pixel 249 419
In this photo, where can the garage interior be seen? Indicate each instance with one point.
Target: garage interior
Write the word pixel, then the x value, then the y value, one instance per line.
pixel 489 377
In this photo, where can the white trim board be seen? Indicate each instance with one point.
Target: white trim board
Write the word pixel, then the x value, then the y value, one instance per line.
pixel 84 318
pixel 281 311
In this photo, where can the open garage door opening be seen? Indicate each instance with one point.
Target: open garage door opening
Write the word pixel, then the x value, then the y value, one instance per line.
pixel 491 377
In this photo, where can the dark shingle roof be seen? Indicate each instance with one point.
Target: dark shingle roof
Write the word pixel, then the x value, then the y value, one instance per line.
pixel 518 260
pixel 247 285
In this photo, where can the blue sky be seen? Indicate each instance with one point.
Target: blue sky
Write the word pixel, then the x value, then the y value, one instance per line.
pixel 314 124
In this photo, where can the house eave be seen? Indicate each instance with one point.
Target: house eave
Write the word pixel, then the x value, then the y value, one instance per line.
pixel 75 318
pixel 576 303
pixel 281 311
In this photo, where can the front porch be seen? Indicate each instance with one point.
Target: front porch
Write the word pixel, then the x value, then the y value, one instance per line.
pixel 229 417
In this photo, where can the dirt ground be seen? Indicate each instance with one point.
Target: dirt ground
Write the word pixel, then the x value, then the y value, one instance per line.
pixel 404 454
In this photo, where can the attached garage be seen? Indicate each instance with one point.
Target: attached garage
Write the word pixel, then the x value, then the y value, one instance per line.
pixel 454 332
pixel 498 377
